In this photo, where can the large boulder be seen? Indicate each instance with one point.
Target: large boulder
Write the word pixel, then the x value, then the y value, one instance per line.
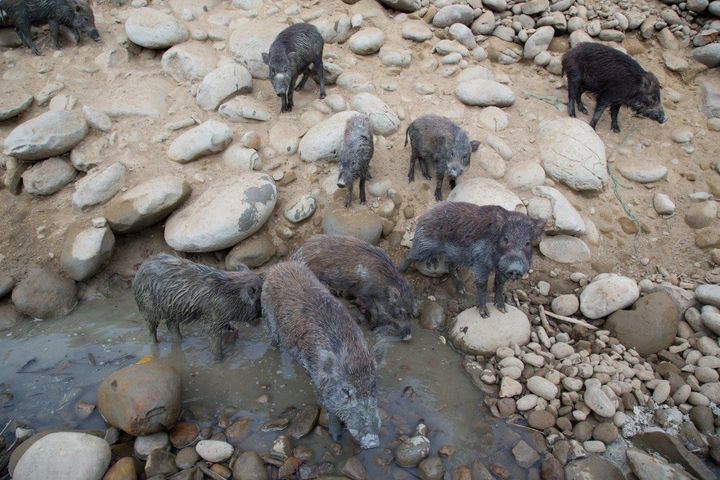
pixel 152 28
pixel 99 186
pixel 48 176
pixel 229 211
pixel 572 153
pixel 249 43
pixel 86 250
pixel 650 326
pixel 222 82
pixel 141 399
pixel 474 335
pixel 606 294
pixel 323 141
pixel 382 118
pixel 75 455
pixel 207 138
pixel 146 204
pixel 485 191
pixel 49 134
pixel 484 93
pixel 361 223
pixel 44 294
pixel 189 61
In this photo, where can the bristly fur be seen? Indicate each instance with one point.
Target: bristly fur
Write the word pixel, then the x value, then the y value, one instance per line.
pixel 355 155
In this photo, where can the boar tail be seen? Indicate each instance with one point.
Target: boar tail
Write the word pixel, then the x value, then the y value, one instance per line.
pixel 406 135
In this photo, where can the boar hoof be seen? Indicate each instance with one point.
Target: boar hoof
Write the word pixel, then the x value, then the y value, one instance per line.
pixel 501 307
pixel 583 109
pixel 484 312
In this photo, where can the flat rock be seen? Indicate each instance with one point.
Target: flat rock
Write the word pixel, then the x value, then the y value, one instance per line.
pixel 606 294
pixel 485 191
pixel 43 293
pixel 65 455
pixel 49 134
pixel 230 210
pixel 86 250
pixel 13 103
pixel 647 467
pixel 592 467
pixel 189 61
pixel 383 119
pixel 416 31
pixel 152 28
pixel 99 185
pixel 642 171
pixel 207 138
pixel 48 176
pixel 572 153
pixel 323 141
pixel 565 249
pixel 222 82
pixel 252 252
pixel 475 335
pixel 141 399
pixel 360 223
pixel 242 109
pixel 146 204
pixel 484 93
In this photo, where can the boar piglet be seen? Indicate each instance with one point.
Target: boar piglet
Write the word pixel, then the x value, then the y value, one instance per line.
pixel 615 79
pixel 180 291
pixel 292 53
pixel 439 140
pixel 353 266
pixel 301 315
pixel 355 154
pixel 77 15
pixel 484 239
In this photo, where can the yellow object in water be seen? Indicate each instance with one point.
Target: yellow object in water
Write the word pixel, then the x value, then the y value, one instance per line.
pixel 145 359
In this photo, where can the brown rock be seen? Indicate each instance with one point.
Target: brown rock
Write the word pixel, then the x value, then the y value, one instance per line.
pixel 183 434
pixel 707 237
pixel 650 327
pixel 541 419
pixel 432 316
pixel 551 468
pixel 160 462
pixel 674 451
pixel 582 431
pixel 124 469
pixel 237 432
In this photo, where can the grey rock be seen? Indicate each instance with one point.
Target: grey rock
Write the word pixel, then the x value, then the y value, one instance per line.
pixel 97 119
pixel 48 176
pixel 474 335
pixel 367 41
pixel 484 93
pixel 48 458
pixel 383 119
pixel 207 138
pixel 222 82
pixel 301 209
pixel 708 55
pixel 99 185
pixel 13 103
pixel 86 250
pixel 565 249
pixel 49 134
pixel 189 61
pixel 152 28
pixel 241 109
pixel 44 294
pixel 323 141
pixel 248 43
pixel 450 14
pixel 252 252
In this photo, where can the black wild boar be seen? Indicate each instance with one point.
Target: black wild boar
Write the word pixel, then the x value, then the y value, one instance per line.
pixel 301 315
pixel 439 140
pixel 366 273
pixel 615 79
pixel 483 239
pixel 180 291
pixel 292 53
pixel 355 154
pixel 77 15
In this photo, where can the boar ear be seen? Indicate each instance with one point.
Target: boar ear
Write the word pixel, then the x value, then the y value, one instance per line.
pixel 474 145
pixel 539 229
pixel 328 363
pixel 649 82
pixel 266 58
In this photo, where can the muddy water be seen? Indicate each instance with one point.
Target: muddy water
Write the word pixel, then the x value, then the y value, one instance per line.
pixel 47 367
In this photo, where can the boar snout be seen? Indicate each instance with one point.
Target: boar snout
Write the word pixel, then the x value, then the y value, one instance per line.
pixel 513 267
pixel 341 183
pixel 95 35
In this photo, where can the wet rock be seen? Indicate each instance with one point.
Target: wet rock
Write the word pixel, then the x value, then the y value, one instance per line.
pixel 412 451
pixel 538 42
pixel 183 434
pixel 475 335
pixel 86 250
pixel 49 134
pixel 451 14
pixel 551 468
pixel 565 249
pixel 64 455
pixel 44 294
pixel 13 103
pixel 214 451
pixel 123 469
pixel 186 458
pixel 304 422
pixel 145 444
pixel 141 399
pixel 598 402
pixel 151 28
pixel 249 466
pixel 383 119
pixel 524 454
pixel 485 191
pixel 606 294
pixel 540 419
pixel 650 326
pixel 592 467
pixel 361 223
pixel 230 210
pixel 238 431
pixel 702 417
pixel 160 463
pixel 432 316
pixel 240 109
pixel 354 469
pixel 572 153
pixel 146 204
pixel 672 448
pixel 323 141
pixel 252 252
pixel 708 55
pixel 207 138
pixel 48 176
pixel 663 204
pixel 99 185
pixel 484 93
pixel 367 41
pixel 222 82
pixel 647 467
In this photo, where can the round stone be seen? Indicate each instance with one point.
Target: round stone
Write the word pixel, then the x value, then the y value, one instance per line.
pixel 324 140
pixel 151 28
pixel 565 305
pixel 44 294
pixel 606 294
pixel 214 451
pixel 542 387
pixel 485 191
pixel 367 41
pixel 301 209
pixel 383 119
pixel 86 250
pixel 475 335
pixel 541 419
pixel 598 402
pixel 64 455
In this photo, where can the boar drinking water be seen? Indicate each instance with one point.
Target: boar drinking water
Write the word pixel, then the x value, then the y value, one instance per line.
pixel 615 79
pixel 180 291
pixel 293 52
pixel 440 141
pixel 365 272
pixel 73 14
pixel 302 316
pixel 355 154
pixel 483 239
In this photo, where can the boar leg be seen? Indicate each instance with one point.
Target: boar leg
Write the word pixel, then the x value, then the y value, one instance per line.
pixel 362 190
pixel 75 35
pixel 455 277
pixel 320 72
pixel 334 427
pixel 153 326
pixel 481 281
pixel 283 107
pixel 600 107
pixel 216 346
pixel 174 328
pixel 411 172
pixel 304 78
pixel 438 186
pixel 499 287
pixel 290 104
pixel 578 101
pixel 614 110
pixel 55 33
pixel 23 31
pixel 348 197
pixel 424 168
